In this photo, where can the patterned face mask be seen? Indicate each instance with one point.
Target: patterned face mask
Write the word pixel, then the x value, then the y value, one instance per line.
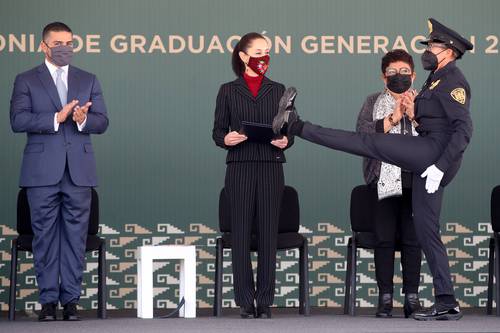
pixel 259 65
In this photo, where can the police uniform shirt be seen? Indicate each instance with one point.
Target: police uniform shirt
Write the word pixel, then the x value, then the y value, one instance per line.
pixel 443 106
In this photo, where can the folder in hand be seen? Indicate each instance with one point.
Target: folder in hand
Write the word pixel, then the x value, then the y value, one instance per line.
pixel 257 132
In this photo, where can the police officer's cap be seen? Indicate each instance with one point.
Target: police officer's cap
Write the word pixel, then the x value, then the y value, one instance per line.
pixel 438 33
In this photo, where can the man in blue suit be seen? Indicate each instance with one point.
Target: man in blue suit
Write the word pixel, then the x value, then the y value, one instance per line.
pixel 58 106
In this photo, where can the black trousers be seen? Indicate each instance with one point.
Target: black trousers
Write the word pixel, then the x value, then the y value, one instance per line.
pixel 415 154
pixel 394 225
pixel 254 190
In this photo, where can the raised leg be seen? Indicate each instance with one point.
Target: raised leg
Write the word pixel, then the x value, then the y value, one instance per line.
pixel 387 148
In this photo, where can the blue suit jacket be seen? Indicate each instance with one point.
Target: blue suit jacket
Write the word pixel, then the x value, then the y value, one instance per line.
pixel 33 104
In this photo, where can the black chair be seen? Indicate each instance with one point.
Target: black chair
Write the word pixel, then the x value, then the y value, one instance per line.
pixel 363 199
pixel 494 257
pixel 25 238
pixel 288 238
pixel 363 202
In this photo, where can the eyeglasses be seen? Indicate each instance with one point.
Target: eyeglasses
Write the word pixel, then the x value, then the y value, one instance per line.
pixel 393 71
pixel 435 45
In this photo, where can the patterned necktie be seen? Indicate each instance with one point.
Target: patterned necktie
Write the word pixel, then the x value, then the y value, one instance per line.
pixel 61 88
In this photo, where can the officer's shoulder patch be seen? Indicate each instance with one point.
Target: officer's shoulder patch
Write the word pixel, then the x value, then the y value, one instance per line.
pixel 459 95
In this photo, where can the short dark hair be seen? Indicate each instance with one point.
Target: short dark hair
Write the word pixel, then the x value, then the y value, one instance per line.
pixel 243 45
pixel 56 27
pixel 394 56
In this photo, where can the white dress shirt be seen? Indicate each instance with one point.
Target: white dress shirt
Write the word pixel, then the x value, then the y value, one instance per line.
pixel 64 77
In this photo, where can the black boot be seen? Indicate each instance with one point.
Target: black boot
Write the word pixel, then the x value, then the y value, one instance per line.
pixel 412 304
pixel 70 312
pixel 287 122
pixel 48 312
pixel 247 311
pixel 263 310
pixel 384 306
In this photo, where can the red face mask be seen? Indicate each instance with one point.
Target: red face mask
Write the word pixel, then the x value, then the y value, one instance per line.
pixel 259 65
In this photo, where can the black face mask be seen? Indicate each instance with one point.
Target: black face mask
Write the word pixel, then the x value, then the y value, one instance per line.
pixel 430 60
pixel 399 83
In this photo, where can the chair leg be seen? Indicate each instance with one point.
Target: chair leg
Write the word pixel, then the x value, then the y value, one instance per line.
pixel 354 255
pixel 13 281
pixel 101 284
pixel 489 303
pixel 304 305
pixel 301 279
pixel 219 258
pixel 497 273
pixel 347 296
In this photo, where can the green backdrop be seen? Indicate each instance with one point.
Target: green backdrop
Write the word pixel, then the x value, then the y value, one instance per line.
pixel 160 172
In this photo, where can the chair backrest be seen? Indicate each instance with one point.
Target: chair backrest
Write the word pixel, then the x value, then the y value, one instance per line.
pixel 24 216
pixel 495 209
pixel 289 220
pixel 94 213
pixel 363 199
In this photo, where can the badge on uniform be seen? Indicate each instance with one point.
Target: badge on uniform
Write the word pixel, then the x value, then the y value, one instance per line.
pixel 458 95
pixel 434 84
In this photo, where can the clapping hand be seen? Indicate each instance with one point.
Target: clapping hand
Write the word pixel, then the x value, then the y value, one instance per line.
pixel 80 113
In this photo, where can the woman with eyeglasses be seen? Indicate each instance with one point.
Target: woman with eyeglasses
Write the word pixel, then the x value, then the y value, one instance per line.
pixel 391 112
pixel 254 181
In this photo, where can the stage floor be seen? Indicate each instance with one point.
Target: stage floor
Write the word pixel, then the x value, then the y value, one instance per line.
pixel 284 320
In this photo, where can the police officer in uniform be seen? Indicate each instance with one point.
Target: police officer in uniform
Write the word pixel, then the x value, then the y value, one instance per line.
pixel 445 128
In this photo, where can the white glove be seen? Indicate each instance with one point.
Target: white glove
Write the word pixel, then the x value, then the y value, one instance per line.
pixel 434 176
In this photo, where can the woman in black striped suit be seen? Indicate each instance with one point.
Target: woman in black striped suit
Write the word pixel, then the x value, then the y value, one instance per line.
pixel 254 175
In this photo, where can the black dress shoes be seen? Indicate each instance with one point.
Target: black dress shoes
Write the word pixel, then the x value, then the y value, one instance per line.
pixel 412 304
pixel 263 311
pixel 439 311
pixel 247 311
pixel 70 313
pixel 384 309
pixel 48 312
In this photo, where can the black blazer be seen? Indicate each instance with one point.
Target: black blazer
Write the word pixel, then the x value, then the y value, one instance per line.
pixel 236 103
